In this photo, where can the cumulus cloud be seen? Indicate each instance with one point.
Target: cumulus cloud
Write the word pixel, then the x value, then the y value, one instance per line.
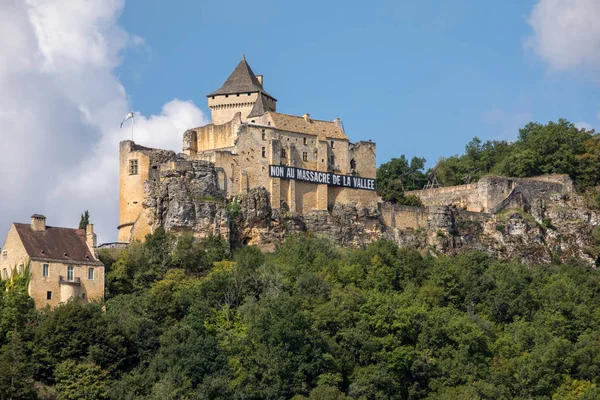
pixel 583 125
pixel 60 108
pixel 566 33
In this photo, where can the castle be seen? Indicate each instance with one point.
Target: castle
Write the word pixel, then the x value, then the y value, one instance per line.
pixel 305 164
pixel 254 176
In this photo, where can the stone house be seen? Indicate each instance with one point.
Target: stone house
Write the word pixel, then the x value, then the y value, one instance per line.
pixel 305 164
pixel 62 261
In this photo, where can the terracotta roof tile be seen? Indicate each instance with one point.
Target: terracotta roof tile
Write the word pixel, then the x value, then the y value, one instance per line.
pixel 64 244
pixel 315 127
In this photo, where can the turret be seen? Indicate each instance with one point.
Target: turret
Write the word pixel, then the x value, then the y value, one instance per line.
pixel 240 92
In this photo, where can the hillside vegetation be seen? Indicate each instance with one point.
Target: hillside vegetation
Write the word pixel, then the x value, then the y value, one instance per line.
pixel 188 320
pixel 554 148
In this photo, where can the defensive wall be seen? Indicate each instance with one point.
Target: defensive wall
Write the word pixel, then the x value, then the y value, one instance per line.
pixel 475 201
pixel 489 194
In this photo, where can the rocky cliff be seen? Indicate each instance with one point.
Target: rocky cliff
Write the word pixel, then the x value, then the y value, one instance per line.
pixel 529 229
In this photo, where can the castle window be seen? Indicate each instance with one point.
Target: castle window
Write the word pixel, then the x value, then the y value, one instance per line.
pixel 5 254
pixel 91 274
pixel 264 152
pixel 45 270
pixel 237 95
pixel 304 156
pixel 70 273
pixel 283 153
pixel 213 97
pixel 332 144
pixel 48 295
pixel 352 164
pixel 332 161
pixel 133 167
pixel 264 135
pixel 226 95
pixel 249 94
pixel 305 141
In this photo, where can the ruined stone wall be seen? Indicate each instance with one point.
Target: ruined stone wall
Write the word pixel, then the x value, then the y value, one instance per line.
pixel 489 194
pixel 463 196
pixel 403 217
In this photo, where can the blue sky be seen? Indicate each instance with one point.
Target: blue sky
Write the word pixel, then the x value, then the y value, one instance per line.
pixel 420 78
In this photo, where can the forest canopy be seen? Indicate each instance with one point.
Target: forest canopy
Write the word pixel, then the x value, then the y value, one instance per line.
pixel 188 319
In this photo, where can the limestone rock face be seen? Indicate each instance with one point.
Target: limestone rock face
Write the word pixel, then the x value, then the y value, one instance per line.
pixel 532 230
pixel 187 198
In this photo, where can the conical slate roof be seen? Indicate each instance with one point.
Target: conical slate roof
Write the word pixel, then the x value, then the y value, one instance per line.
pixel 241 80
pixel 260 107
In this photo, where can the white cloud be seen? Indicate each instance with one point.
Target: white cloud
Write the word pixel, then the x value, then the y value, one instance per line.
pixel 60 108
pixel 566 33
pixel 583 125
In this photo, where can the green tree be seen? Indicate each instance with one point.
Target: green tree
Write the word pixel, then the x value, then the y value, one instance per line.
pixel 80 381
pixel 85 220
pixel 397 176
pixel 16 381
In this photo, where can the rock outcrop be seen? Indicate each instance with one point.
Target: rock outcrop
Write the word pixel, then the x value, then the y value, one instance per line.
pixel 187 198
pixel 528 229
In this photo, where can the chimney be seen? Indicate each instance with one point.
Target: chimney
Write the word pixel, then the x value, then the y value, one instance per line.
pixel 306 117
pixel 337 122
pixel 38 222
pixel 260 79
pixel 90 236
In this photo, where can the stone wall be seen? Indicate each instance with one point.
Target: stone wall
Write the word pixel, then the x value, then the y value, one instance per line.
pixel 464 196
pixel 403 217
pixel 131 186
pixel 489 194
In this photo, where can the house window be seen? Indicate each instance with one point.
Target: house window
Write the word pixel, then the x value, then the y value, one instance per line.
pixel 45 270
pixel 133 167
pixel 5 254
pixel 264 135
pixel 91 273
pixel 48 295
pixel 332 144
pixel 305 141
pixel 264 152
pixel 283 153
pixel 70 273
pixel 304 156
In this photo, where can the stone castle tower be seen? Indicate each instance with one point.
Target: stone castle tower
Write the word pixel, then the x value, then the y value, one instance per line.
pixel 239 93
pixel 304 164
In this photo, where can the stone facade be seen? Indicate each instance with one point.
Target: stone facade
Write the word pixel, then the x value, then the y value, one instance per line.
pixel 245 138
pixel 62 262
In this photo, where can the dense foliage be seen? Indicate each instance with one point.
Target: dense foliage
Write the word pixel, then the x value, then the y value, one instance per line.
pixel 186 319
pixel 397 176
pixel 557 147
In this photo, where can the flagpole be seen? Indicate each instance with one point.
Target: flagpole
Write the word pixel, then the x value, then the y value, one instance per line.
pixel 132 128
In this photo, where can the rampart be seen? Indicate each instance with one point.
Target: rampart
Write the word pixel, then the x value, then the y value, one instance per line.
pixel 493 193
